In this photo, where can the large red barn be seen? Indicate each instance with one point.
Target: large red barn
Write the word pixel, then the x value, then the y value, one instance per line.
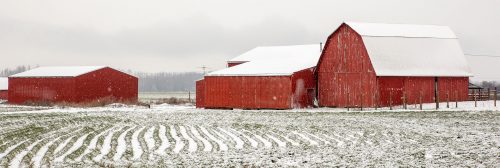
pixel 277 77
pixel 368 65
pixel 75 84
pixel 4 86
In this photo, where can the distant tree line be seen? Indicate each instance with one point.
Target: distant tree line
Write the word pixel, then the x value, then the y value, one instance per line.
pixel 148 82
pixel 7 72
pixel 488 84
pixel 168 81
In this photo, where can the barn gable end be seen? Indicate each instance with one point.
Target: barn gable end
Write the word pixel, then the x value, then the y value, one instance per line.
pixel 345 74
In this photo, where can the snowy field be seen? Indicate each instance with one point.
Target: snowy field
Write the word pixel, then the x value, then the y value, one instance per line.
pixel 128 136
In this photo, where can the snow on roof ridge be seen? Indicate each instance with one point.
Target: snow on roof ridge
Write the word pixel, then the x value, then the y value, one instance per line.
pixel 58 71
pixel 246 57
pixel 402 30
pixel 4 83
pixel 274 61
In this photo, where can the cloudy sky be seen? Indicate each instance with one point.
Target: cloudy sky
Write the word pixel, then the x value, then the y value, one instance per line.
pixel 183 35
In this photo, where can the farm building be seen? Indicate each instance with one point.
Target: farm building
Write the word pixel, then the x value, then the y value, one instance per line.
pixel 76 84
pixel 368 65
pixel 4 87
pixel 277 77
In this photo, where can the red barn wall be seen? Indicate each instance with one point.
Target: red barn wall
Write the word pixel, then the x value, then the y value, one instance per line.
pixel 346 77
pixel 248 92
pixel 416 87
pixel 106 82
pixel 200 94
pixel 412 88
pixel 23 90
pixel 3 94
pixel 453 88
pixel 303 88
pixel 408 89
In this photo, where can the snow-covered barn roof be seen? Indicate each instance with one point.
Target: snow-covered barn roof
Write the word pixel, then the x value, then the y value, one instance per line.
pixel 258 53
pixel 4 83
pixel 273 61
pixel 58 71
pixel 412 50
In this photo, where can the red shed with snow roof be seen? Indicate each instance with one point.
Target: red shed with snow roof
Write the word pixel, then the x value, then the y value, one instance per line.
pixel 4 87
pixel 74 84
pixel 277 77
pixel 368 65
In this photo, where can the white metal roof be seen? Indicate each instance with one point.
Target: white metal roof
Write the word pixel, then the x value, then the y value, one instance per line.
pixel 412 50
pixel 58 71
pixel 4 83
pixel 402 30
pixel 274 61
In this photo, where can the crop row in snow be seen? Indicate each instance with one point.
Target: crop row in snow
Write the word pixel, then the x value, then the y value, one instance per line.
pixel 173 137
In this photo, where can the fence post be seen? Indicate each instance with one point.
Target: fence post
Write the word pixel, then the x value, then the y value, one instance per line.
pixel 362 96
pixel 495 96
pixel 348 96
pixel 437 102
pixel 456 99
pixel 479 96
pixel 404 101
pixel 189 96
pixel 489 94
pixel 421 100
pixel 475 98
pixel 390 100
pixel 448 99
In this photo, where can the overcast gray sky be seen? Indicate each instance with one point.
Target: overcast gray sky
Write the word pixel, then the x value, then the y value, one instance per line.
pixel 182 35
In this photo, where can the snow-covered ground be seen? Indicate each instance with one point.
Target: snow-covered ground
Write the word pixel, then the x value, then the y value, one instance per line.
pixel 166 135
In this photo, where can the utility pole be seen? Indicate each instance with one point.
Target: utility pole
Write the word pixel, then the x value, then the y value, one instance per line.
pixel 204 68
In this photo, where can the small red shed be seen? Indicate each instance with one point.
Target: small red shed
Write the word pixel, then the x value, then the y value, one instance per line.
pixel 368 65
pixel 200 93
pixel 4 87
pixel 74 84
pixel 277 77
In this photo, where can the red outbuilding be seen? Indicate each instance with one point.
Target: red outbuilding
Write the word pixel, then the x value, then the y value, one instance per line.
pixel 76 84
pixel 4 87
pixel 278 77
pixel 368 65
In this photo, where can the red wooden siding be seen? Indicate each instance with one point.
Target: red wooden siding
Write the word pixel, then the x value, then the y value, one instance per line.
pixel 248 92
pixel 391 86
pixel 94 85
pixel 200 94
pixel 419 86
pixel 23 90
pixel 106 82
pixel 3 94
pixel 345 75
pixel 454 87
pixel 408 89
